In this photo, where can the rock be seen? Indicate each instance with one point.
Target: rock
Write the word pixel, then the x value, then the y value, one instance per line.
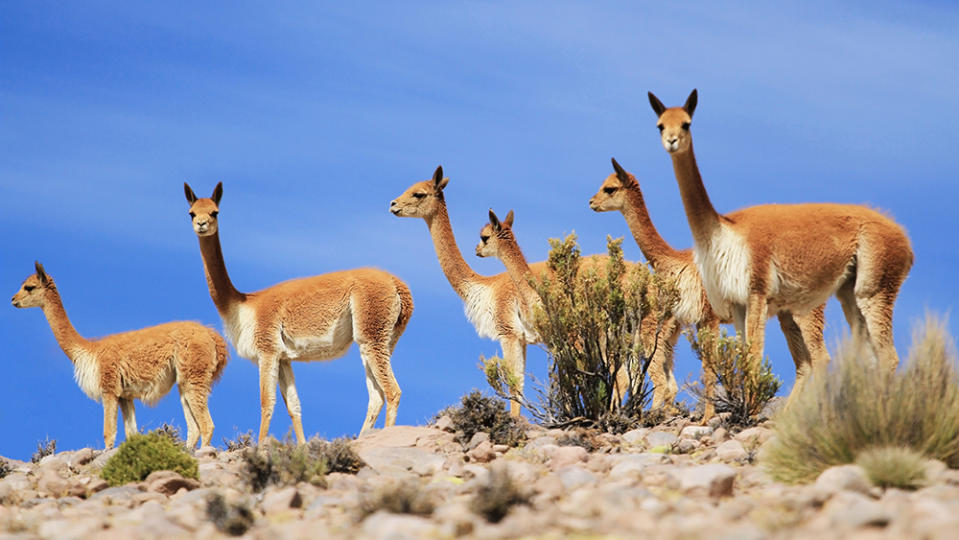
pixel 685 446
pixel 445 423
pixel 853 510
pixel 68 528
pixel 169 482
pixel 52 483
pixel 478 438
pixel 541 441
pixel 732 450
pixel 565 456
pixel 753 437
pixel 385 460
pixel 393 437
pixel 719 435
pixel 635 437
pixel 695 432
pixel 382 524
pixel 482 453
pixel 713 479
pixel 80 457
pixel 844 478
pixel 659 439
pixel 281 500
pixel 205 452
pixel 500 448
pixel 116 494
pixel 634 464
pixel 102 458
pixel 574 477
pixel 935 470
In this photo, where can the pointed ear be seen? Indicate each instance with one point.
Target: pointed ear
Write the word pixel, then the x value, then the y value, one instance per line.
pixel 657 105
pixel 690 104
pixel 41 273
pixel 190 196
pixel 509 219
pixel 217 193
pixel 438 181
pixel 494 221
pixel 620 172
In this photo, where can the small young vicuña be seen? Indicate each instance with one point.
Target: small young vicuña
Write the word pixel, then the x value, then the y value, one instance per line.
pixel 497 240
pixel 306 319
pixel 142 364
pixel 788 258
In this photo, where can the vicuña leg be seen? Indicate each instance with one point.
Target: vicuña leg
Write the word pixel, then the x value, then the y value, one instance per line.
pixel 709 371
pixel 380 383
pixel 129 417
pixel 197 398
pixel 292 400
pixel 109 420
pixel 192 429
pixel 269 366
pixel 757 312
pixel 877 311
pixel 660 364
pixel 514 358
pixel 850 309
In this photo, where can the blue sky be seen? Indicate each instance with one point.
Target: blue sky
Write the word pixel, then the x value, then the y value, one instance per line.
pixel 316 116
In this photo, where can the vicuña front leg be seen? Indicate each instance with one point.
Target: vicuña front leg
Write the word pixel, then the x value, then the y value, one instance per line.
pixel 269 365
pixel 292 400
pixel 514 358
pixel 757 312
pixel 129 417
pixel 109 421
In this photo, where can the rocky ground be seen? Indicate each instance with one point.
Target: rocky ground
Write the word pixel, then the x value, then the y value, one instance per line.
pixel 677 480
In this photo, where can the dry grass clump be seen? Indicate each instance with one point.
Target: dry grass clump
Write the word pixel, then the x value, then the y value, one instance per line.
pixel 591 321
pixel 405 497
pixel 340 456
pixel 171 432
pixel 286 463
pixel 141 455
pixel 242 440
pixel 46 447
pixel 856 406
pixel 494 499
pixel 744 388
pixel 230 518
pixel 5 468
pixel 477 413
pixel 889 466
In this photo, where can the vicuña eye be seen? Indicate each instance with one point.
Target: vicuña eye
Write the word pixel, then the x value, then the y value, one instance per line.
pixel 192 214
pixel 419 195
pixel 28 288
pixel 661 127
pixel 214 214
pixel 685 126
pixel 609 190
pixel 484 239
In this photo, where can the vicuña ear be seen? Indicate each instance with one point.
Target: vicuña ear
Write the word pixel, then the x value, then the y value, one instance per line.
pixel 620 172
pixel 217 193
pixel 439 182
pixel 657 105
pixel 41 273
pixel 690 104
pixel 190 196
pixel 509 219
pixel 494 221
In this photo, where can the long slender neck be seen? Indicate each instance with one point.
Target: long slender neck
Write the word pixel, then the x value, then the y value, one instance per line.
pixel 222 291
pixel 656 250
pixel 457 272
pixel 518 269
pixel 66 335
pixel 703 218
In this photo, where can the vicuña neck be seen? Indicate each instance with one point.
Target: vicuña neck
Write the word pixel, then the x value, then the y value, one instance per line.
pixel 457 272
pixel 66 335
pixel 656 250
pixel 703 218
pixel 518 270
pixel 222 291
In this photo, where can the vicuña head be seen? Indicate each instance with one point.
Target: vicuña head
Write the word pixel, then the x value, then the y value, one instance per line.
pixel 493 233
pixel 422 199
pixel 674 122
pixel 203 212
pixel 34 289
pixel 612 194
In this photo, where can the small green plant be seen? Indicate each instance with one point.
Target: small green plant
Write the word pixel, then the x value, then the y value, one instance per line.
pixel 405 497
pixel 746 387
pixel 5 468
pixel 243 440
pixel 229 518
pixel 46 447
pixel 141 455
pixel 477 412
pixel 856 406
pixel 495 498
pixel 893 467
pixel 596 318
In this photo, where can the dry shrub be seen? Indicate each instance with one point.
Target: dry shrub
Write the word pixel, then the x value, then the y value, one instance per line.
pixel 405 497
pixel 5 468
pixel 743 387
pixel 495 498
pixel 171 432
pixel 477 413
pixel 286 463
pixel 901 468
pixel 591 320
pixel 340 456
pixel 230 518
pixel 242 440
pixel 856 406
pixel 46 447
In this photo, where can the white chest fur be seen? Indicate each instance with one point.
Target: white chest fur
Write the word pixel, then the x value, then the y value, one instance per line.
pixel 479 308
pixel 689 309
pixel 240 327
pixel 86 371
pixel 725 267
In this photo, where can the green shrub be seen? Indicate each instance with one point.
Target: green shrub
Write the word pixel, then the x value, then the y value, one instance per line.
pixel 141 455
pixel 405 497
pixel 591 321
pixel 229 518
pixel 856 406
pixel 46 447
pixel 477 413
pixel 742 390
pixel 498 495
pixel 893 467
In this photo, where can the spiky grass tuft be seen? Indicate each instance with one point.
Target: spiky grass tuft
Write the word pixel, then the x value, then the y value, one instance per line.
pixel 890 466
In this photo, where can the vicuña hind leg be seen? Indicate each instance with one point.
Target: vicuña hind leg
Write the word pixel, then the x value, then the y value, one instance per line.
pixel 109 421
pixel 850 309
pixel 129 417
pixel 514 359
pixel 380 383
pixel 292 400
pixel 192 429
pixel 756 315
pixel 877 311
pixel 269 366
